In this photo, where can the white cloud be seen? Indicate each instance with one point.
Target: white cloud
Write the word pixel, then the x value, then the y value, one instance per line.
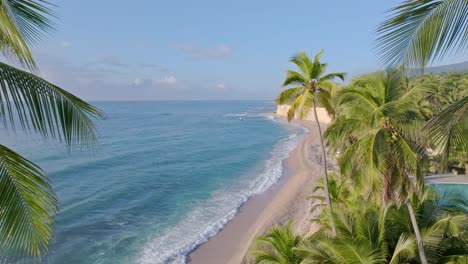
pixel 221 51
pixel 221 85
pixel 141 81
pixel 65 44
pixel 167 80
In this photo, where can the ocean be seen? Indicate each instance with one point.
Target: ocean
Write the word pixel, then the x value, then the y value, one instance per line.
pixel 165 177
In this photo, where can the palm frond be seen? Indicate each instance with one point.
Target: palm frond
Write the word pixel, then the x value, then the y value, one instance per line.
pixel 44 108
pixel 405 249
pixel 289 95
pixel 276 246
pixel 448 130
pixel 294 78
pixel 303 62
pixel 421 31
pixel 27 205
pixel 316 67
pixel 23 22
pixel 331 76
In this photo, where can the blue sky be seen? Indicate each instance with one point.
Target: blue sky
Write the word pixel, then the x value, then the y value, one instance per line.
pixel 206 49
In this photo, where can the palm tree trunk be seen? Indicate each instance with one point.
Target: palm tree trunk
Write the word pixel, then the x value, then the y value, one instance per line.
pixel 324 167
pixel 422 253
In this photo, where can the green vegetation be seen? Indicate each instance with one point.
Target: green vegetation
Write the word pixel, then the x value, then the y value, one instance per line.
pixel 388 128
pixel 419 32
pixel 277 246
pixel 311 85
pixel 33 105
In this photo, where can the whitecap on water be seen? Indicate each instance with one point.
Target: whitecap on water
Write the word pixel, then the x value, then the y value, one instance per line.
pixel 207 219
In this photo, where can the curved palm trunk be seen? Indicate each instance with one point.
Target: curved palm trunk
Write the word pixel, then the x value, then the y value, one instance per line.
pixel 324 167
pixel 422 253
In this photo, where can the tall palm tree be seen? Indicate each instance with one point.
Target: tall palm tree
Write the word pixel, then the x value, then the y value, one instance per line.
pixel 276 246
pixel 310 86
pixel 381 114
pixel 419 32
pixel 30 103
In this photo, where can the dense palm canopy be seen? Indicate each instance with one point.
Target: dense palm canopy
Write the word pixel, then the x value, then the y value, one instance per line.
pixel 417 33
pixel 29 103
pixel 377 132
pixel 371 233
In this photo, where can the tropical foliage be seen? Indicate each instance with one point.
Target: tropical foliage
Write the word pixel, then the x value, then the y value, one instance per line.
pixel 386 126
pixel 311 85
pixel 277 245
pixel 419 32
pixel 376 132
pixel 369 232
pixel 30 103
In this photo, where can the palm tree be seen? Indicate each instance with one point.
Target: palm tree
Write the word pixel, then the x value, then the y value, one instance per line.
pixel 276 246
pixel 29 103
pixel 381 114
pixel 363 237
pixel 370 233
pixel 419 32
pixel 310 86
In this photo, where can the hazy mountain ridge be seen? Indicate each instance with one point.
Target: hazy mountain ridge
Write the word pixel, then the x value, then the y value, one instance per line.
pixel 456 67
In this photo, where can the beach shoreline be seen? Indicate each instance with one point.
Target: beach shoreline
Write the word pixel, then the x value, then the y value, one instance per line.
pixel 284 201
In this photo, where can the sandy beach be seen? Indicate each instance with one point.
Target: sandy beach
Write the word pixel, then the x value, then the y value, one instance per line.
pixel 284 201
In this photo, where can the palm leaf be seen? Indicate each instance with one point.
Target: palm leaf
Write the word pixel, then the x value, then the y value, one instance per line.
pixel 421 31
pixel 405 249
pixel 288 95
pixel 448 130
pixel 23 22
pixel 331 76
pixel 27 204
pixel 45 108
pixel 302 62
pixel 294 78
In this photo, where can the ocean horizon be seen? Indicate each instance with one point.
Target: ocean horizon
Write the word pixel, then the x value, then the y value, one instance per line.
pixel 165 177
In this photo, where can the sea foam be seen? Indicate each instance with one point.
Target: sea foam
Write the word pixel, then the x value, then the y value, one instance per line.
pixel 207 219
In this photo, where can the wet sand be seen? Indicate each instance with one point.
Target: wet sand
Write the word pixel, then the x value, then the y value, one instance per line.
pixel 284 201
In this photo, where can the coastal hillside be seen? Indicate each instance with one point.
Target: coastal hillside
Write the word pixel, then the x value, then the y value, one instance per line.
pixel 456 67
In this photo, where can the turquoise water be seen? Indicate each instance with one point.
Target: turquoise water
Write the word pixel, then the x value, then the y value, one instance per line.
pixel 165 177
pixel 458 189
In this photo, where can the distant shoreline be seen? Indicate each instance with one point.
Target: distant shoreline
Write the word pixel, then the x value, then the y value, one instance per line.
pixel 284 201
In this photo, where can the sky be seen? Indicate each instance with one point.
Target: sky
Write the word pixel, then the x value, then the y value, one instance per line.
pixel 204 49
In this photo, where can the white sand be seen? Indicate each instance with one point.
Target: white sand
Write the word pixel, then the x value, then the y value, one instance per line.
pixel 285 201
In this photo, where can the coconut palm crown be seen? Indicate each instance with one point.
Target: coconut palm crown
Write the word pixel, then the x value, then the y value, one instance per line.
pixel 310 85
pixel 417 33
pixel 381 125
